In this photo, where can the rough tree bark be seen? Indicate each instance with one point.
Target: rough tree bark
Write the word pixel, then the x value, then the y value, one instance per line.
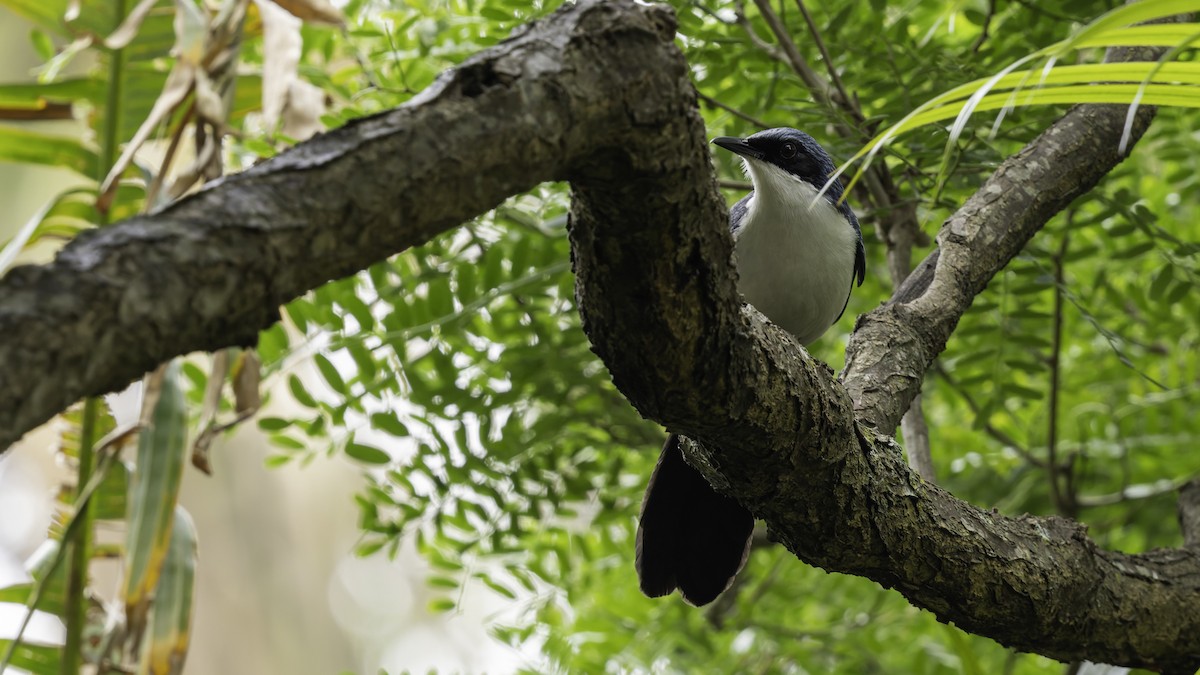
pixel 599 95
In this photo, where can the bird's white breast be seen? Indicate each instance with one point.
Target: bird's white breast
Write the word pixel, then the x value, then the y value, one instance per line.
pixel 794 254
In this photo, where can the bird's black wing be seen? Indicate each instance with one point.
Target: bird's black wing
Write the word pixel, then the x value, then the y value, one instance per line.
pixel 737 213
pixel 860 255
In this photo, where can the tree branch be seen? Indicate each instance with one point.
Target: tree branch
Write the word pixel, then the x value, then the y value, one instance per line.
pixel 1189 513
pixel 599 95
pixel 211 270
pixel 894 345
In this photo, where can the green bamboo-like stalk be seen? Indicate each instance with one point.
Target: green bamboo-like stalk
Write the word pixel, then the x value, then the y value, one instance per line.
pixel 80 546
pixel 165 646
pixel 76 614
pixel 153 496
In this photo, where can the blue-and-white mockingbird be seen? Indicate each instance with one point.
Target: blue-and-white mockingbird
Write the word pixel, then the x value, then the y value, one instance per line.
pixel 798 257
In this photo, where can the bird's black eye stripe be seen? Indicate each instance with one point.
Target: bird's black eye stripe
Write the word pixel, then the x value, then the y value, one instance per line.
pixel 788 150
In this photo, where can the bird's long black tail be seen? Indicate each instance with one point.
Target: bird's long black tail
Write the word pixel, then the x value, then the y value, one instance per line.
pixel 690 536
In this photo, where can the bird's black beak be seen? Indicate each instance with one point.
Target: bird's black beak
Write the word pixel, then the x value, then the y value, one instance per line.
pixel 737 146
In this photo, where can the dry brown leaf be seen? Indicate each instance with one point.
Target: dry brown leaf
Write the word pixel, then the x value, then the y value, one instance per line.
pixel 247 378
pixel 128 29
pixel 178 85
pixel 314 11
pixel 281 59
pixel 302 115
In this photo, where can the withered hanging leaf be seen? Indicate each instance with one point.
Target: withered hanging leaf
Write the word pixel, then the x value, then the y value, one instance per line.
pixel 281 58
pixel 124 34
pixel 191 32
pixel 165 645
pixel 247 378
pixel 246 375
pixel 313 11
pixel 178 86
pixel 153 494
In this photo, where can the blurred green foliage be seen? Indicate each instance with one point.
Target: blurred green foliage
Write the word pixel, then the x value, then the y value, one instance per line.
pixel 517 465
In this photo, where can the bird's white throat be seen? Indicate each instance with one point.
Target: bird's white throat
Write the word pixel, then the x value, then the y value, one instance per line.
pixel 794 253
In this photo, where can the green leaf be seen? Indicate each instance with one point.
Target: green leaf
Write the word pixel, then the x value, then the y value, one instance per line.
pixel 42 44
pixel 272 344
pixel 276 461
pixel 273 423
pixel 443 582
pixel 367 454
pixel 390 423
pixel 109 502
pixel 300 393
pixel 332 377
pixel 1161 281
pixel 31 147
pixel 1179 291
pixel 1133 251
pixel 493 270
pixel 35 658
pixel 466 282
pixel 166 643
pixel 287 442
pixel 369 547
pixel 153 495
pixel 441 301
pixel 364 360
pixel 494 14
pixel 441 605
pixel 1024 392
pixel 496 586
pixel 35 96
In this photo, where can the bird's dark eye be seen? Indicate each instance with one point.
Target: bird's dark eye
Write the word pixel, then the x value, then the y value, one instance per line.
pixel 787 150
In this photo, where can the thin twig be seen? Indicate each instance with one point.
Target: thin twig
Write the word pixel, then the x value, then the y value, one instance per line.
pixel 714 15
pixel 880 189
pixel 164 168
pixel 996 434
pixel 818 86
pixel 1065 503
pixel 756 39
pixel 733 111
pixel 987 24
pixel 1034 7
pixel 1125 494
pixel 916 441
pixel 847 102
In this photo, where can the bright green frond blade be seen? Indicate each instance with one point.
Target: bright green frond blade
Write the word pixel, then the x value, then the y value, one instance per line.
pixel 165 646
pixel 37 659
pixel 1124 16
pixel 1153 35
pixel 51 578
pixel 1156 94
pixel 31 147
pixel 35 96
pixel 153 493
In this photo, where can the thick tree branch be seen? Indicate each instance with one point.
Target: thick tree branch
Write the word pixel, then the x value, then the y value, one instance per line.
pixel 211 270
pixel 894 345
pixel 776 433
pixel 599 95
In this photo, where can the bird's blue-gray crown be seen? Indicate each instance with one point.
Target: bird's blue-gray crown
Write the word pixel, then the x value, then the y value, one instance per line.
pixel 791 150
